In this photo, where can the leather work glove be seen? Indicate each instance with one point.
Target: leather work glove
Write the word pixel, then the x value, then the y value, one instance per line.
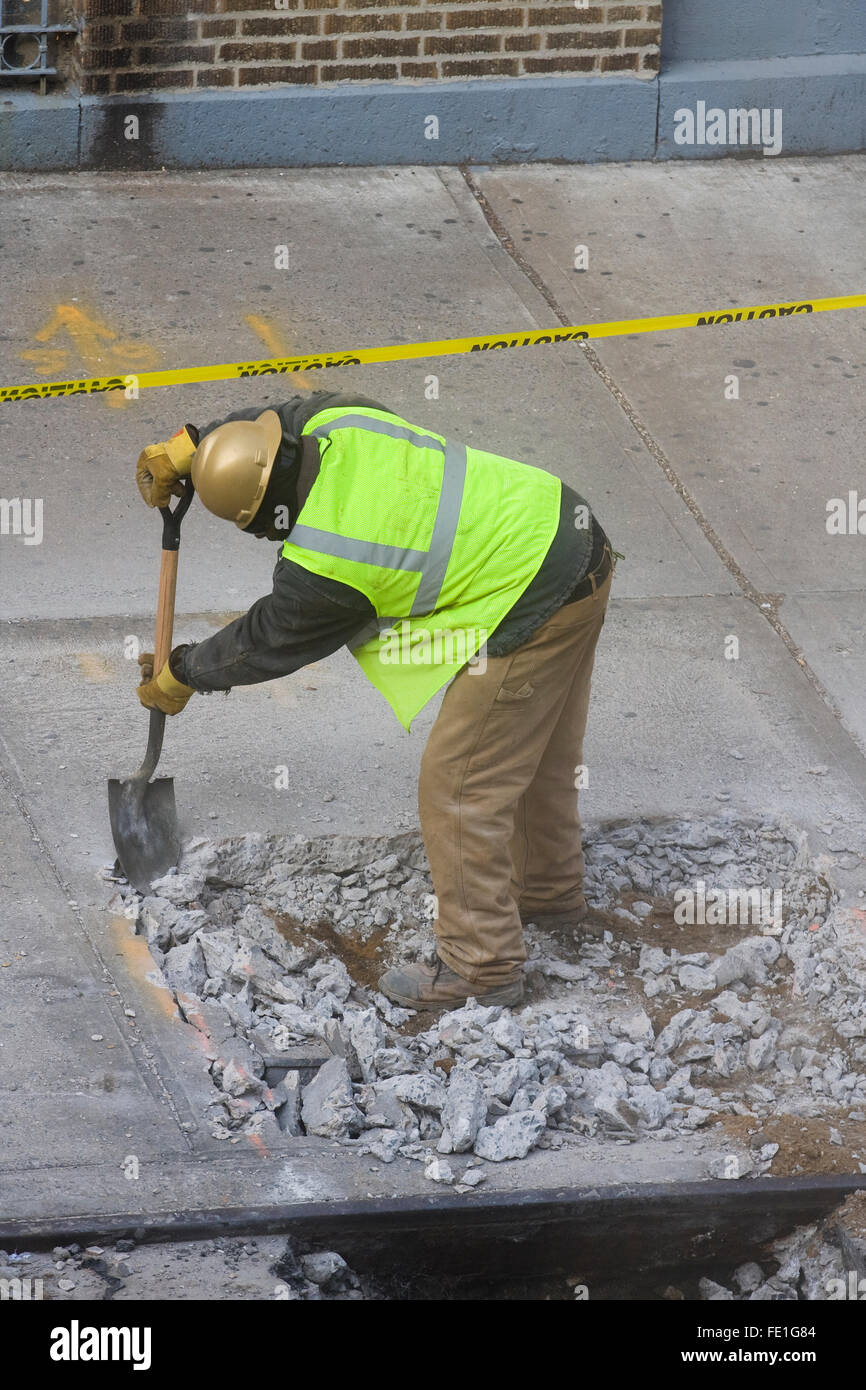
pixel 164 691
pixel 161 467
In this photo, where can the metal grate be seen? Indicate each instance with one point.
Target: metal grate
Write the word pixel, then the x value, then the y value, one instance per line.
pixel 24 45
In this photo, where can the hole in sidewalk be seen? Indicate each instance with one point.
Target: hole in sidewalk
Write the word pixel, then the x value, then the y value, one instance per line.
pixel 714 998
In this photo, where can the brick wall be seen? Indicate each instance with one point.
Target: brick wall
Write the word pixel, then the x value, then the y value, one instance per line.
pixel 145 45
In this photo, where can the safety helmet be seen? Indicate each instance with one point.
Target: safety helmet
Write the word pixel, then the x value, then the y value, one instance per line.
pixel 232 465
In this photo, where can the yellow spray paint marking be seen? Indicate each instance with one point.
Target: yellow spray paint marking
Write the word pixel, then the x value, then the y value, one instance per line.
pixel 93 343
pixel 274 340
pixel 94 668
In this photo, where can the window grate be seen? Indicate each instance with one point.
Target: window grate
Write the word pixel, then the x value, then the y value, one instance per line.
pixel 24 47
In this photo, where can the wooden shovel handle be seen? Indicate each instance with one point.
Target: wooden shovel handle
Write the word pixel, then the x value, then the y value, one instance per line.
pixel 165 609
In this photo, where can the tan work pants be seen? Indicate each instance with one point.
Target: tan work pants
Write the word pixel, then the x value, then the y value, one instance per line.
pixel 497 794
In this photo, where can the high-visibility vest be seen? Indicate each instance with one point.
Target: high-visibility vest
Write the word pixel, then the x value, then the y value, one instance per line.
pixel 442 539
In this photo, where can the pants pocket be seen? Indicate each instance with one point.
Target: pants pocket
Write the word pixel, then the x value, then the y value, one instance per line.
pixel 505 696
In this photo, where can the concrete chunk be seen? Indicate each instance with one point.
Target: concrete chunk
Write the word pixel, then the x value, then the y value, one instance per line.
pixel 323 1266
pixel 507 1033
pixel 653 960
pixel 238 1081
pixel 367 1036
pixel 328 1105
pixel 383 1144
pixel 747 961
pixel 187 923
pixel 510 1076
pixel 697 979
pixel 511 1137
pixel 421 1090
pixel 761 1051
pixel 184 968
pixel 464 1110
pixel 178 888
pixel 672 1035
pixel 637 1027
pixel 651 1107
pixel 289 1113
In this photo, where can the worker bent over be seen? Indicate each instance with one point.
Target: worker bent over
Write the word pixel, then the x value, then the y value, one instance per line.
pixel 434 563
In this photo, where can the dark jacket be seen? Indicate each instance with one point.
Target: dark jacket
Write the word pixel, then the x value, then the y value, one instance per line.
pixel 307 616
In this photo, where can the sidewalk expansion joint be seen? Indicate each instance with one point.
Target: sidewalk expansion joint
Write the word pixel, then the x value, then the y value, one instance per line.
pixel 768 605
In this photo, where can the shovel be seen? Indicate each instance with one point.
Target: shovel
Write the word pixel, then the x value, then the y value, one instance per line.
pixel 142 813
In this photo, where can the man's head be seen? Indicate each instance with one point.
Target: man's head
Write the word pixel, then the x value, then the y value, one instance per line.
pixel 240 473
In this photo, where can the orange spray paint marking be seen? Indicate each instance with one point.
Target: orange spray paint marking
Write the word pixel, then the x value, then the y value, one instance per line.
pixel 141 966
pixel 275 341
pixel 94 344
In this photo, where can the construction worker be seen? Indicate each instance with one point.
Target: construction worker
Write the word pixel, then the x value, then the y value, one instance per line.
pixel 433 563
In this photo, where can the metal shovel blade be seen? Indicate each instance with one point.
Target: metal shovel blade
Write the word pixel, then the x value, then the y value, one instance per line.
pixel 142 813
pixel 144 826
pixel 144 817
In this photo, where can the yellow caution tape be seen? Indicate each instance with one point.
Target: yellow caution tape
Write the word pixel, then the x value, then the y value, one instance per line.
pixel 404 352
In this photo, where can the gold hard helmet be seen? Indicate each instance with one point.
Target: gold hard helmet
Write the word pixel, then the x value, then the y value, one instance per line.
pixel 232 466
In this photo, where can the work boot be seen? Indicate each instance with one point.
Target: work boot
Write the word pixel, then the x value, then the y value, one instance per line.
pixel 437 986
pixel 576 919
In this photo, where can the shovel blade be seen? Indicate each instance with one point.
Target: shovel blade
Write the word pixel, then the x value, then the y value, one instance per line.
pixel 144 826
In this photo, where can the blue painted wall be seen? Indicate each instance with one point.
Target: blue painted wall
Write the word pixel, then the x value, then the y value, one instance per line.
pixel 806 58
pixel 713 30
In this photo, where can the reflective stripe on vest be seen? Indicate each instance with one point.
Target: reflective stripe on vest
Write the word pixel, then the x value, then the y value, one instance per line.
pixel 431 563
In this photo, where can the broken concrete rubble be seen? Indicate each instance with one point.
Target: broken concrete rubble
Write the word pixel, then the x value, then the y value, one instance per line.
pixel 227 1269
pixel 626 1039
pixel 823 1262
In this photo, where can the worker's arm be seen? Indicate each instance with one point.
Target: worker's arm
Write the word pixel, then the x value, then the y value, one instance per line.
pixel 304 618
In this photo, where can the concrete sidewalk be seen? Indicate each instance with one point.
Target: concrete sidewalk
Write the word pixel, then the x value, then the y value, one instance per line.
pixel 179 269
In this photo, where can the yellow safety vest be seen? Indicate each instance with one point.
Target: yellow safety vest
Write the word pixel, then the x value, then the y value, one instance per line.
pixel 442 539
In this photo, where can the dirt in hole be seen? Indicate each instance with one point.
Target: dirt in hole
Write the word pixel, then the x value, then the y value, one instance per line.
pixel 804 1144
pixel 656 929
pixel 660 929
pixel 775 995
pixel 363 957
